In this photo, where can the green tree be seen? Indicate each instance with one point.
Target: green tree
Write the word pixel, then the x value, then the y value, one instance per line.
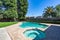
pixel 9 8
pixel 49 12
pixel 1 11
pixel 1 14
pixel 58 10
pixel 14 8
pixel 22 6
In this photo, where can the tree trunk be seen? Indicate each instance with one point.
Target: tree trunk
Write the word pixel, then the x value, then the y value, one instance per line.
pixel 15 19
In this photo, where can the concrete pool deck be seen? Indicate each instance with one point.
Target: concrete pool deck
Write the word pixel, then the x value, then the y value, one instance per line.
pixel 16 33
pixel 4 35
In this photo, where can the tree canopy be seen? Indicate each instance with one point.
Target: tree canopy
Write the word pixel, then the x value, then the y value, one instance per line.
pixel 52 11
pixel 58 10
pixel 14 9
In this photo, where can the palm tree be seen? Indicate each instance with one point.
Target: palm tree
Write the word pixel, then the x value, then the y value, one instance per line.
pixel 49 12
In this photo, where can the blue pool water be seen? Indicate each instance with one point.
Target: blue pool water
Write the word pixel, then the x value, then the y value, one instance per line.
pixel 33 25
pixel 34 34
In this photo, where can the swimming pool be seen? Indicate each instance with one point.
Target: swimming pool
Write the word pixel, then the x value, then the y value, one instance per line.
pixel 33 25
pixel 34 34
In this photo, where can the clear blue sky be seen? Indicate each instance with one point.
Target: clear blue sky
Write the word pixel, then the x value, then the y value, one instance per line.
pixel 36 7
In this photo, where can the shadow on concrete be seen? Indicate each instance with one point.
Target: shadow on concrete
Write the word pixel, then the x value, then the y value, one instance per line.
pixel 52 33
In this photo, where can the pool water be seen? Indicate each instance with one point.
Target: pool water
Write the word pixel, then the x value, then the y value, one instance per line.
pixel 33 25
pixel 34 34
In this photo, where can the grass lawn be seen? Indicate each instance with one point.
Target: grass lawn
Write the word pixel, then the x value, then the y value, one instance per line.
pixel 4 24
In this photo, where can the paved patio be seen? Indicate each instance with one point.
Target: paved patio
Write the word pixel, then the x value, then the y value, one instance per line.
pixel 14 32
pixel 4 35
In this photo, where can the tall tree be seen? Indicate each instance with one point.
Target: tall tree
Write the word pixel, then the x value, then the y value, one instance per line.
pixel 10 9
pixel 14 8
pixel 22 6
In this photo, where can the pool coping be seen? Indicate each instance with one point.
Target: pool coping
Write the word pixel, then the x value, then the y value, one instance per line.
pixel 42 29
pixel 49 25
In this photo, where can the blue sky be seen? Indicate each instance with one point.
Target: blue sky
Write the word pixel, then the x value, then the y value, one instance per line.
pixel 36 7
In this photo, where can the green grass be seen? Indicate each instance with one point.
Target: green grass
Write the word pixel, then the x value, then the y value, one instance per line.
pixel 4 24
